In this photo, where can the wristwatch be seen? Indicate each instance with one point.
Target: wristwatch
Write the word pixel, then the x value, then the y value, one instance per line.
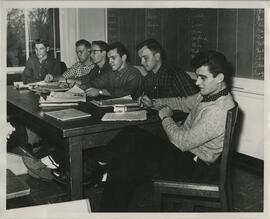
pixel 100 92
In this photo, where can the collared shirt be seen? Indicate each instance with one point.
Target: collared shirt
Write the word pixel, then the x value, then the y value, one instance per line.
pixel 36 71
pixel 168 83
pixel 78 70
pixel 120 83
pixel 95 73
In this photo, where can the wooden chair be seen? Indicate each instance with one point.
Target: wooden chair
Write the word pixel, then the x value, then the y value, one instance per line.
pixel 213 195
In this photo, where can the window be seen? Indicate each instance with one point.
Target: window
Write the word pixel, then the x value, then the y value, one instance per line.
pixel 24 26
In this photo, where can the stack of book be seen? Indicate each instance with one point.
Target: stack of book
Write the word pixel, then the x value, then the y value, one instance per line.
pixel 69 98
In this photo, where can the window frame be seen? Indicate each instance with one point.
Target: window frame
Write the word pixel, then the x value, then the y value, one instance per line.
pixel 19 69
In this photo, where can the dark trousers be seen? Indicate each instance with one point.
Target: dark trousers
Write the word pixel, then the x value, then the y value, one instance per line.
pixel 134 157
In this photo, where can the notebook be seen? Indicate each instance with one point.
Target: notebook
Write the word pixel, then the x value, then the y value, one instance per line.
pixel 67 114
pixel 16 187
pixel 127 101
pixel 125 116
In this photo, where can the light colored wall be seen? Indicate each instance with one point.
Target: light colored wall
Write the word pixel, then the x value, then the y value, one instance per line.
pixel 251 138
pixel 68 34
pixel 80 23
pixel 92 23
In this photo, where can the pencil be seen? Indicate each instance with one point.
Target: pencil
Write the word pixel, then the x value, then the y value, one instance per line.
pixel 141 103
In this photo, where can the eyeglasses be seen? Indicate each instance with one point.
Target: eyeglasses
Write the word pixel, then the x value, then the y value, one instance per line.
pixel 95 51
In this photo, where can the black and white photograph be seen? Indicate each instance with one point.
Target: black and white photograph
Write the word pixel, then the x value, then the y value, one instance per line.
pixel 153 107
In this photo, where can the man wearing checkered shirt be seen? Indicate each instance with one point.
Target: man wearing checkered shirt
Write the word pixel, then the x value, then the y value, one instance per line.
pixel 162 80
pixel 82 67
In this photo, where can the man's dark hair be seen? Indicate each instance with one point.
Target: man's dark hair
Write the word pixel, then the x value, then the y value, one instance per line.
pixel 121 49
pixel 83 42
pixel 154 46
pixel 101 44
pixel 42 41
pixel 216 62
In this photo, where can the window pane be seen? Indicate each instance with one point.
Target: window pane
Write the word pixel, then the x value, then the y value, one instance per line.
pixel 16 54
pixel 40 27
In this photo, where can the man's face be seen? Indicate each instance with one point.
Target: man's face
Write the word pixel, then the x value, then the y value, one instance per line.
pixel 115 60
pixel 97 54
pixel 207 83
pixel 149 59
pixel 83 53
pixel 41 51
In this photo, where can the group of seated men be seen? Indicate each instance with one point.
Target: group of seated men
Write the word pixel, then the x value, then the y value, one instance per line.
pixel 193 147
pixel 104 69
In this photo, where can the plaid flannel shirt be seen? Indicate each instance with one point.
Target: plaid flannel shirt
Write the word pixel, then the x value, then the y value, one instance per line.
pixel 168 82
pixel 77 70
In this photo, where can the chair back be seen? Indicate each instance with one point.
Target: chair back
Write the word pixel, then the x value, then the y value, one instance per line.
pixel 63 67
pixel 228 136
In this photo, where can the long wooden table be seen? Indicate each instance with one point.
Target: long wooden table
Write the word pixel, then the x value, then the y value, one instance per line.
pixel 73 136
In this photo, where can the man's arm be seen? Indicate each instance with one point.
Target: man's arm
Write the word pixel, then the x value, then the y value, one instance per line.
pixel 56 69
pixel 71 72
pixel 100 82
pixel 184 104
pixel 77 70
pixel 131 87
pixel 27 75
pixel 208 126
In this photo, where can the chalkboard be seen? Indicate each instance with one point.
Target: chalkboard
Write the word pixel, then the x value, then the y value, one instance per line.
pixel 237 33
pixel 154 24
pixel 258 57
pixel 113 25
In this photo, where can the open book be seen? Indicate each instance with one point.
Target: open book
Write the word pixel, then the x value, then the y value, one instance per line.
pixel 126 100
pixel 125 116
pixel 69 98
pixel 42 86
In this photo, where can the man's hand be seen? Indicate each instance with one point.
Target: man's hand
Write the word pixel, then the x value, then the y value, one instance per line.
pixel 165 111
pixel 48 78
pixel 145 101
pixel 92 92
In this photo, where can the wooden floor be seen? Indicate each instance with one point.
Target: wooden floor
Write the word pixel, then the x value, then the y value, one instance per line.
pixel 248 193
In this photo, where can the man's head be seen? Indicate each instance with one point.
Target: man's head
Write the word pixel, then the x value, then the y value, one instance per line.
pixel 117 55
pixel 83 50
pixel 41 48
pixel 151 54
pixel 98 52
pixel 212 69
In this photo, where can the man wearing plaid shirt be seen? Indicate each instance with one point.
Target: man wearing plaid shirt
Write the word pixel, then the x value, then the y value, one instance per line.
pixel 83 66
pixel 162 80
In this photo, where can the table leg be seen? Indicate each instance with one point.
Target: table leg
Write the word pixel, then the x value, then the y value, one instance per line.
pixel 74 167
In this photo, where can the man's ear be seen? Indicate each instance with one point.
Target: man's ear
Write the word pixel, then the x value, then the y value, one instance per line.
pixel 124 57
pixel 157 55
pixel 220 77
pixel 47 49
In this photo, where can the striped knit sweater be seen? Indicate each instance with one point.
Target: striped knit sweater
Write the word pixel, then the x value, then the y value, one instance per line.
pixel 203 131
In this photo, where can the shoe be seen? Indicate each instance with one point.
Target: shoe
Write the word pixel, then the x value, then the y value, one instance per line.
pixel 59 175
pixel 92 174
pixel 93 171
pixel 37 169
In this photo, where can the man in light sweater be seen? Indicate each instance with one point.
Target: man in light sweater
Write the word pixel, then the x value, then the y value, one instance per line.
pixel 191 151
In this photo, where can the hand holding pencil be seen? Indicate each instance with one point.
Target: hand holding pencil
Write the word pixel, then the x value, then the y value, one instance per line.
pixel 145 101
